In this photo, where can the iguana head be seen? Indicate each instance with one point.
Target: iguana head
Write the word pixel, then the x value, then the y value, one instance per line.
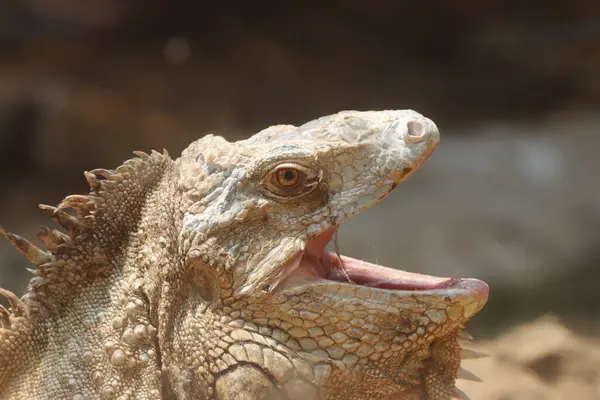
pixel 207 277
pixel 256 217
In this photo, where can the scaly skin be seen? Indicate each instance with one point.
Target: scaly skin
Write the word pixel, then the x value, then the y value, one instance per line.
pixel 205 277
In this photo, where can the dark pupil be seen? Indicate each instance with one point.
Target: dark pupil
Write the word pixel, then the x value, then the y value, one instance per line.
pixel 288 175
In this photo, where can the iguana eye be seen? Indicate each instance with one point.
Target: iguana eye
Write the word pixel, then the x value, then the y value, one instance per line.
pixel 287 177
pixel 290 180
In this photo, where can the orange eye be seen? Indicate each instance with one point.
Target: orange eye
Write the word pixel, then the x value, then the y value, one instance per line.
pixel 291 180
pixel 287 177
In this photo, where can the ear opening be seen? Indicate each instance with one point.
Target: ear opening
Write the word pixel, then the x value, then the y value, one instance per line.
pixel 202 282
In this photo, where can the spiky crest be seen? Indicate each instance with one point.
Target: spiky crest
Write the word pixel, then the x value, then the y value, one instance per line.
pixel 96 230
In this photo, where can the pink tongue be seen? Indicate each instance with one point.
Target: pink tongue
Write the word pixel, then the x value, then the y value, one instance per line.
pixel 373 275
pixel 319 264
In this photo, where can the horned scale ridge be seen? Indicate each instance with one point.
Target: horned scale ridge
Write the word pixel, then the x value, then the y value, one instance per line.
pixel 206 277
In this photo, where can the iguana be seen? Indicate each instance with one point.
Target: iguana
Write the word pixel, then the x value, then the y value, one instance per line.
pixel 206 277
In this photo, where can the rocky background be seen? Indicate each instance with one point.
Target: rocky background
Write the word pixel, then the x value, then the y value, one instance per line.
pixel 511 196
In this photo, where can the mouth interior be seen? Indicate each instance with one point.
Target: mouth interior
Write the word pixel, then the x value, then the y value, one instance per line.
pixel 317 264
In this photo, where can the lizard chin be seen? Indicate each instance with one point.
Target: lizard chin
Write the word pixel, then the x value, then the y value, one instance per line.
pixel 315 265
pixel 438 367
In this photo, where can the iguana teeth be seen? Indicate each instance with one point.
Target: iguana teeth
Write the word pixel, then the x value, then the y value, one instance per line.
pixel 467 354
pixel 460 395
pixel 467 375
pixel 33 253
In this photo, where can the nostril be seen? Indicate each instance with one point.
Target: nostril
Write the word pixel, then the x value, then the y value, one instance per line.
pixel 416 132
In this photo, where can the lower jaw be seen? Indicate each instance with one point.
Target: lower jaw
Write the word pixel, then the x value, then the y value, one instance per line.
pixel 327 268
pixel 340 278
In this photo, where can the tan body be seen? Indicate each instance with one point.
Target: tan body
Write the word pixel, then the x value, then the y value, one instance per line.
pixel 205 277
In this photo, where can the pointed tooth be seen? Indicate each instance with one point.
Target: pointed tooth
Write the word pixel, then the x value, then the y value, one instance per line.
pixel 462 334
pixel 460 395
pixel 33 253
pixel 467 354
pixel 467 375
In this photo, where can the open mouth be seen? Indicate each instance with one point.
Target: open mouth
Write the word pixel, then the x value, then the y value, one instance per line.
pixel 316 264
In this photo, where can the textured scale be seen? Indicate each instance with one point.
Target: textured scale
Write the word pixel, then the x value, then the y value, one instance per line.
pixel 171 279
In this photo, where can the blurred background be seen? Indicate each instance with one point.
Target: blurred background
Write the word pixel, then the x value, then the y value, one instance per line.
pixel 511 196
